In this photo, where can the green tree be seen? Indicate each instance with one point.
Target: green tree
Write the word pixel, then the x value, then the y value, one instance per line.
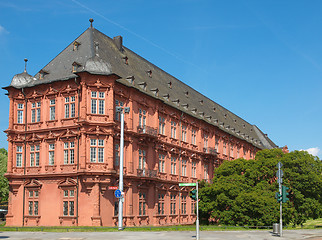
pixel 243 191
pixel 4 185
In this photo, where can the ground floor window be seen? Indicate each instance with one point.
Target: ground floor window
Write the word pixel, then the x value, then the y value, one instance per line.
pixel 33 204
pixel 161 204
pixel 68 202
pixel 68 209
pixel 142 204
pixel 193 207
pixel 183 204
pixel 172 204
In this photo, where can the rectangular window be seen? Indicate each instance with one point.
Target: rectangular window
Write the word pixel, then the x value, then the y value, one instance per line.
pixel 161 163
pixel 32 204
pixel 193 169
pixel 71 208
pixel 65 208
pixel 35 112
pixel 216 144
pixel 161 125
pixel 231 150
pixel 183 204
pixel 142 118
pixel 172 204
pixel 161 204
pixel 20 116
pixel 238 152
pixel 100 99
pixel 117 155
pixel 193 136
pixel 193 207
pixel 68 203
pixel 184 167
pixel 69 153
pixel 142 204
pixel 66 110
pixel 34 155
pixel 117 114
pixel 31 208
pixel 97 150
pixel 52 109
pixel 72 110
pixel 205 142
pixel 51 154
pixel 173 165
pixel 224 148
pixel 19 156
pixel 184 133
pixel 142 159
pixel 206 172
pixel 93 106
pixel 20 113
pixel 36 208
pixel 116 208
pixel 33 115
pixel 173 129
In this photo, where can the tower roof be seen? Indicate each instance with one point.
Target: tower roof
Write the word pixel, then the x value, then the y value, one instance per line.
pixel 96 53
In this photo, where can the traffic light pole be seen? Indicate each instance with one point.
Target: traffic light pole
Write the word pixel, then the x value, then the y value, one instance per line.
pixel 281 215
pixel 197 221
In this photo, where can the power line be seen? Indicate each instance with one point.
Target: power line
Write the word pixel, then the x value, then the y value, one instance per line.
pixel 135 34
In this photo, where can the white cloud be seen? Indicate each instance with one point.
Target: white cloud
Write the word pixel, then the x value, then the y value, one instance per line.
pixel 2 30
pixel 314 151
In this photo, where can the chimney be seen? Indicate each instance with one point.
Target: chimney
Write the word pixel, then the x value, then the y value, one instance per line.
pixel 118 41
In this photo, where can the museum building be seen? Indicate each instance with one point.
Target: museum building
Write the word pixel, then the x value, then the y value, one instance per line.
pixel 64 139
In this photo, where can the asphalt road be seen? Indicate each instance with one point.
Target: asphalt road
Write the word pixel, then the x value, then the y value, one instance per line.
pixel 213 235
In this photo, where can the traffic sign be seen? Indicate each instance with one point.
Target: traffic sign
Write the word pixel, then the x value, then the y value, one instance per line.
pixel 279 165
pixel 187 184
pixel 118 193
pixel 112 187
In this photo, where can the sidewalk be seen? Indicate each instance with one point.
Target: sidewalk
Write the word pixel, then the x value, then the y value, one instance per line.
pixel 315 234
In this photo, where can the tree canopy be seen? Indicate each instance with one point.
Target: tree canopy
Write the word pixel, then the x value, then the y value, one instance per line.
pixel 243 191
pixel 4 185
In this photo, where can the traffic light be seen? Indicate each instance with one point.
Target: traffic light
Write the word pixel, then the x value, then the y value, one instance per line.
pixel 193 194
pixel 285 194
pixel 278 197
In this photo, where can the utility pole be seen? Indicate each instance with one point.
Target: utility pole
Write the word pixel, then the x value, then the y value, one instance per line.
pixel 280 181
pixel 121 199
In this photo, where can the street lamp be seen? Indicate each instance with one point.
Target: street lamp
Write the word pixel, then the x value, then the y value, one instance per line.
pixel 121 110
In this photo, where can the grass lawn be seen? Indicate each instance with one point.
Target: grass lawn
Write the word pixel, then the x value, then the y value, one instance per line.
pixel 310 224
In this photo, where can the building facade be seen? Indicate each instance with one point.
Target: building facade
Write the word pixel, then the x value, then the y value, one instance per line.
pixel 64 139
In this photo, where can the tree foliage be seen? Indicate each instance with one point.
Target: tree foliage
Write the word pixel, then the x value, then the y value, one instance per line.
pixel 243 191
pixel 4 185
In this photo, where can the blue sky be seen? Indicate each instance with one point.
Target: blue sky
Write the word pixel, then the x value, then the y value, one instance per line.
pixel 262 60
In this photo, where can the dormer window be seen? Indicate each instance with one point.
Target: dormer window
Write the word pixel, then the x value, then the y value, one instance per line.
pixel 187 94
pixel 155 91
pixel 149 72
pixel 185 106
pixel 130 79
pixel 194 110
pixel 214 109
pixel 225 115
pixel 76 46
pixel 166 97
pixel 142 85
pixel 176 101
pixel 126 60
pixel 170 84
pixel 201 102
pixel 75 66
pixel 42 74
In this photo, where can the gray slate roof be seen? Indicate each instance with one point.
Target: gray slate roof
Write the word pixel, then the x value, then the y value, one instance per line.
pixel 96 53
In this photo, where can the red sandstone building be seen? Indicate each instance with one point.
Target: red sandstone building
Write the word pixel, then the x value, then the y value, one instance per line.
pixel 64 136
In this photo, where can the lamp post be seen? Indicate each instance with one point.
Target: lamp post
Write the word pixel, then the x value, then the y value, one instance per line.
pixel 121 110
